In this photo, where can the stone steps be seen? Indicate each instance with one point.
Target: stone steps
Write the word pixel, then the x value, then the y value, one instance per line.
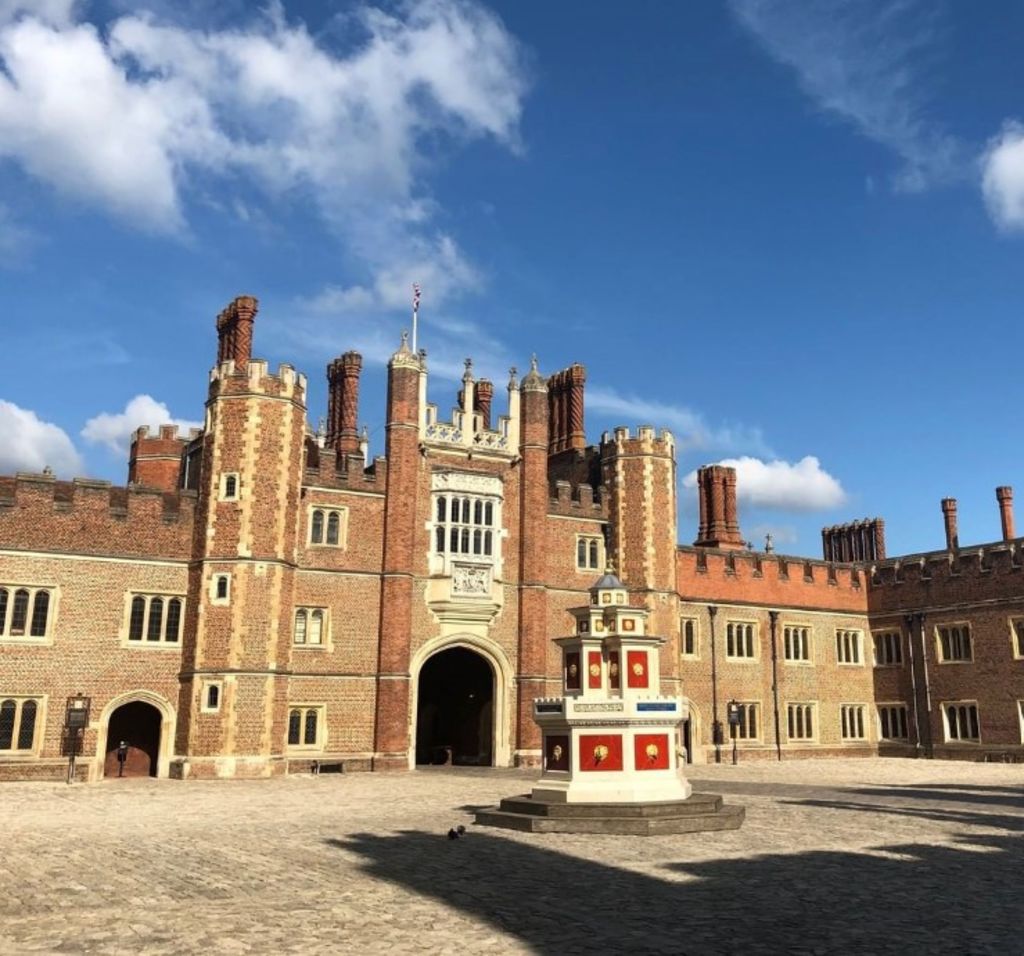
pixel 695 804
pixel 698 814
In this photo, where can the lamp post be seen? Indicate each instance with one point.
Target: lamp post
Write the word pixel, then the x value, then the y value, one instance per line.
pixel 76 719
pixel 716 724
pixel 733 711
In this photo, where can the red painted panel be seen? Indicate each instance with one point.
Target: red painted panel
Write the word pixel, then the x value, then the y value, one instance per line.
pixel 650 751
pixel 614 677
pixel 556 752
pixel 594 670
pixel 600 752
pixel 636 669
pixel 572 671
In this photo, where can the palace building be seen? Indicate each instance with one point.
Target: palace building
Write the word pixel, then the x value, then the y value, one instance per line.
pixel 260 597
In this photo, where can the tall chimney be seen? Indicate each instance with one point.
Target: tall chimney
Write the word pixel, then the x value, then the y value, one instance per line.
pixel 1004 495
pixel 482 398
pixel 234 331
pixel 244 307
pixel 343 403
pixel 576 378
pixel 949 514
pixel 719 527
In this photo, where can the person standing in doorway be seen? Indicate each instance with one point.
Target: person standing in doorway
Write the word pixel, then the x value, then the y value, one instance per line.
pixel 122 756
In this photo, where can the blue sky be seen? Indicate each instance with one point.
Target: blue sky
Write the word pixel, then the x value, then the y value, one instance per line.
pixel 790 233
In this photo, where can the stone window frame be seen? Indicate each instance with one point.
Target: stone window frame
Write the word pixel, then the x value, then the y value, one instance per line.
pixel 162 643
pixel 466 531
pixel 7 606
pixel 327 512
pixel 852 718
pixel 961 625
pixel 882 633
pixel 963 710
pixel 755 642
pixel 743 735
pixel 325 627
pixel 1016 636
pixel 452 483
pixel 204 699
pixel 38 729
pixel 1020 716
pixel 799 661
pixel 806 738
pixel 685 619
pixel 589 541
pixel 893 705
pixel 234 493
pixel 319 745
pixel 841 647
pixel 214 579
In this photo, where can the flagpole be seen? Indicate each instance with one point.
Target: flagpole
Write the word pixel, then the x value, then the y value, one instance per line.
pixel 415 314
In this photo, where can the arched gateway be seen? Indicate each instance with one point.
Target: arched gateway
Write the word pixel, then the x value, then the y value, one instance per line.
pixel 145 722
pixel 455 709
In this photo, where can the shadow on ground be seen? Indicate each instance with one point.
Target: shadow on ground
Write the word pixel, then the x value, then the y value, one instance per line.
pixel 936 899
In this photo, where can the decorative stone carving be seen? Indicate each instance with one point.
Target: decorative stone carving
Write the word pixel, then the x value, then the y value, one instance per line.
pixel 471 581
pixel 463 481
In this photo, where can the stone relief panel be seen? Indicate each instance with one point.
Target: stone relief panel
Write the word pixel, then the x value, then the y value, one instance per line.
pixel 469 483
pixel 471 581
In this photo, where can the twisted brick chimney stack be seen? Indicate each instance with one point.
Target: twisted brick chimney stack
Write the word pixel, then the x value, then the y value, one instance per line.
pixel 483 396
pixel 565 409
pixel 719 523
pixel 343 404
pixel 234 331
pixel 949 516
pixel 1004 495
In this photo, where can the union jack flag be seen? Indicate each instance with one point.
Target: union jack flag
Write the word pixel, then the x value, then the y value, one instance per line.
pixel 415 297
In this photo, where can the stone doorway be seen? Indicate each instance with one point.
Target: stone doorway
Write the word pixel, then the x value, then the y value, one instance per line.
pixel 455 710
pixel 138 724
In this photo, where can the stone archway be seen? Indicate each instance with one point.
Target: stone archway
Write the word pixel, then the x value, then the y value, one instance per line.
pixel 145 721
pixel 455 709
pixel 138 724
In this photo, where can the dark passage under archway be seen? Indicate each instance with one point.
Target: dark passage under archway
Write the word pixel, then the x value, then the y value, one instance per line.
pixel 455 710
pixel 137 724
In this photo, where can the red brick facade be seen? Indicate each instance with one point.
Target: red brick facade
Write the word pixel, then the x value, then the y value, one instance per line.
pixel 267 597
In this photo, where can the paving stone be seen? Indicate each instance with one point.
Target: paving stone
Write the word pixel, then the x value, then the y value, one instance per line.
pixel 835 856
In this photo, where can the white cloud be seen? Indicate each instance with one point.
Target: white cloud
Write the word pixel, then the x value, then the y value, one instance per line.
pixel 687 425
pixel 30 444
pixel 782 485
pixel 866 61
pixel 114 430
pixel 1002 179
pixel 129 120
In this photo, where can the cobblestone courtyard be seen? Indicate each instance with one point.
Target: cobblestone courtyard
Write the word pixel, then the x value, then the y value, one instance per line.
pixel 835 856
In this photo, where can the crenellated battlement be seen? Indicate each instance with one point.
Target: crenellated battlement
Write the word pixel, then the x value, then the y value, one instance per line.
pixel 156 460
pixel 581 500
pixel 719 575
pixel 254 378
pixel 165 433
pixel 646 442
pixel 324 469
pixel 90 516
pixel 986 572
